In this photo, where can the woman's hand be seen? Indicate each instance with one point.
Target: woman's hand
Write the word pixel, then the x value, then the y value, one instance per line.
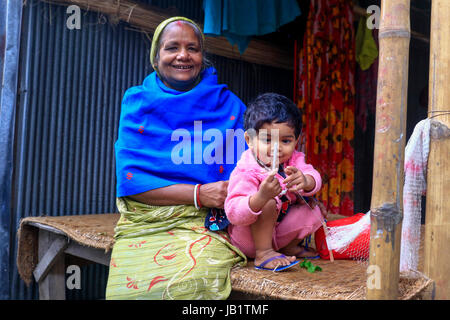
pixel 212 195
pixel 297 181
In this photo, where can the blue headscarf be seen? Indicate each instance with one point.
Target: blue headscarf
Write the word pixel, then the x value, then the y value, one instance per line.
pixel 169 137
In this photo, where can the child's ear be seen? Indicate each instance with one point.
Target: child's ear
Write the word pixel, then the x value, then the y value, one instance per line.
pixel 248 139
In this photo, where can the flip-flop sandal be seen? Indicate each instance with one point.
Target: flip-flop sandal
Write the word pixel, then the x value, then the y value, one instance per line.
pixel 276 269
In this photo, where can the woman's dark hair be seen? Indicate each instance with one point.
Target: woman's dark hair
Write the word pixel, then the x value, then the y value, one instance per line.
pixel 272 107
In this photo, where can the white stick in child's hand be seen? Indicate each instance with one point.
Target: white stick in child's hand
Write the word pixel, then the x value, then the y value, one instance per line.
pixel 275 164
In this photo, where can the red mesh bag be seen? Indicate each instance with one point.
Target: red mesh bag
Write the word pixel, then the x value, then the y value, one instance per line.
pixel 358 249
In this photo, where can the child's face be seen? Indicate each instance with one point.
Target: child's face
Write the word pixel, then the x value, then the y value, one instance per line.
pixel 268 134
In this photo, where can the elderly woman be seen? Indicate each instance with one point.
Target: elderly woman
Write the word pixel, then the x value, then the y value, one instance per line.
pixel 175 151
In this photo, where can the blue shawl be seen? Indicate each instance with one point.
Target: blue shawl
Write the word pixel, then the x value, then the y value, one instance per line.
pixel 169 137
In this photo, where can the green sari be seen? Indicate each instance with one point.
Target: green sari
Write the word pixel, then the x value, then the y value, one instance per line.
pixel 165 252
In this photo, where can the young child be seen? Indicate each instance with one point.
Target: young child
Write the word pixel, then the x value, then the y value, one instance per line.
pixel 266 224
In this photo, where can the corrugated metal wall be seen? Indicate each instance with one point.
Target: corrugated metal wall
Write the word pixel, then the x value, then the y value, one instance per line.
pixel 71 83
pixel 10 28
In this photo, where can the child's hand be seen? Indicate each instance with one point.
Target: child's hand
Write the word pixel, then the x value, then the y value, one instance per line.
pixel 270 187
pixel 297 181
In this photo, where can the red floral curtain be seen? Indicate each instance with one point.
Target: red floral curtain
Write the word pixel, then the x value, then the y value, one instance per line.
pixel 325 92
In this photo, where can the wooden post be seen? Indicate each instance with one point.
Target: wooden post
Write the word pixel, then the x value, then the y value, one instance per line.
pixel 387 191
pixel 52 286
pixel 437 220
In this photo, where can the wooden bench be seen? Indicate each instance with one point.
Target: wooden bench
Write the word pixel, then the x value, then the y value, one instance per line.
pixel 44 243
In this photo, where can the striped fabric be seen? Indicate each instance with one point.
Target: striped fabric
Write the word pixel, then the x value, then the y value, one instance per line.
pixel 165 252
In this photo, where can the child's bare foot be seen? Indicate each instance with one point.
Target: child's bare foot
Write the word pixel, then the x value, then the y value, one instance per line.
pixel 264 255
pixel 293 249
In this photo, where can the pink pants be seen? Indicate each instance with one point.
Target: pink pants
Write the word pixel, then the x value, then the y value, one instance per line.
pixel 299 222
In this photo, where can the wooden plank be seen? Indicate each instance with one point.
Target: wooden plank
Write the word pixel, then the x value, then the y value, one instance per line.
pixel 50 257
pixel 52 286
pixel 47 228
pixel 88 253
pixel 390 130
pixel 147 18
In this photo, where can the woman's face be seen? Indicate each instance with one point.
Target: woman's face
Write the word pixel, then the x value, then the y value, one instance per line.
pixel 180 56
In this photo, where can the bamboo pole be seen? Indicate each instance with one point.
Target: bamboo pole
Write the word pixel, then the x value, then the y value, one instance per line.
pixel 387 194
pixel 437 220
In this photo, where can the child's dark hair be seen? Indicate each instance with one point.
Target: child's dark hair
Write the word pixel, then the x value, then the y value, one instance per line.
pixel 272 107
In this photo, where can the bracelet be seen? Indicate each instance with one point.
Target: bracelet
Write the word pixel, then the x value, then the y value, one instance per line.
pixel 195 197
pixel 197 203
pixel 198 196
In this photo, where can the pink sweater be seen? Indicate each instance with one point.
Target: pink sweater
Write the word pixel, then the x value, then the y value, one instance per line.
pixel 245 180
